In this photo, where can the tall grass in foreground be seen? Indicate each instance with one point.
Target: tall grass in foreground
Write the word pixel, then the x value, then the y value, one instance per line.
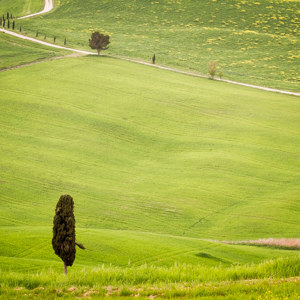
pixel 146 274
pixel 263 281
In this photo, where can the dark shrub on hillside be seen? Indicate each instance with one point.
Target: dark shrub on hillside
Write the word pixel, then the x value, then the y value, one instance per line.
pixel 63 240
pixel 99 41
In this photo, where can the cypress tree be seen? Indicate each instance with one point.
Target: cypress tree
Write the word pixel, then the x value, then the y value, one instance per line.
pixel 63 240
pixel 8 25
pixel 4 23
pixel 13 26
pixel 7 16
pixel 37 34
pixel 1 21
pixel 54 39
pixel 20 29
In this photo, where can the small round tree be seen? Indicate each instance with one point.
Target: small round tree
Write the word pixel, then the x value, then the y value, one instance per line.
pixel 99 41
pixel 63 240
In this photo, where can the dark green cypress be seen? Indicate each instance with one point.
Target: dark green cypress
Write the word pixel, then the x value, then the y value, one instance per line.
pixel 7 16
pixel 8 24
pixel 13 26
pixel 63 240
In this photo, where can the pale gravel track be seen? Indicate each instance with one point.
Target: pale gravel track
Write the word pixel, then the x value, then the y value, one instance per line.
pixel 49 6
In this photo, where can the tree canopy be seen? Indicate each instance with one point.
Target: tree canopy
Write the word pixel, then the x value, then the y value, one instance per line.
pixel 99 41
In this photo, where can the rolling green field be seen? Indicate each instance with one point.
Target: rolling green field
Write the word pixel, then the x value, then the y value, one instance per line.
pixel 253 41
pixel 161 152
pixel 161 166
pixel 156 162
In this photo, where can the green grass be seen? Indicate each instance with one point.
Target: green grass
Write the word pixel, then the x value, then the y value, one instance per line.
pixel 151 170
pixel 190 157
pixel 180 280
pixel 253 42
pixel 20 8
pixel 156 162
pixel 16 52
pixel 29 248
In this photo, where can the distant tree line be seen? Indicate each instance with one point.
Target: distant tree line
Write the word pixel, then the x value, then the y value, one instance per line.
pixel 8 21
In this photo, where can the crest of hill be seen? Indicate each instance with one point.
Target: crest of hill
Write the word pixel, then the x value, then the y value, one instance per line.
pixel 253 42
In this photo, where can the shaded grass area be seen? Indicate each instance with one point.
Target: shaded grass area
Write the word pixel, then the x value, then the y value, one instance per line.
pixel 253 42
pixel 179 280
pixel 15 52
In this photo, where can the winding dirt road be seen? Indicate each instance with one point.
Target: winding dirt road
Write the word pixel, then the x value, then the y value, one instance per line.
pixel 49 6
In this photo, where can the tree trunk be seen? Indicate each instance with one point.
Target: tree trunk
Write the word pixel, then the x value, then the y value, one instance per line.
pixel 98 51
pixel 66 268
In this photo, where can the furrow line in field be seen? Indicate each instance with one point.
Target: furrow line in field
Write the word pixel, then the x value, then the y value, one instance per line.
pixel 36 62
pixel 166 254
pixel 194 108
pixel 13 221
pixel 32 249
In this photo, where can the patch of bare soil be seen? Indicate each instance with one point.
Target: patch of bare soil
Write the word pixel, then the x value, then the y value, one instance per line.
pixel 292 243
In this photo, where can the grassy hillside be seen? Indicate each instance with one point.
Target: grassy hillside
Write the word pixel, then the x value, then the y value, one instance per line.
pixel 27 248
pixel 253 42
pixel 157 162
pixel 146 150
pixel 15 52
pixel 20 7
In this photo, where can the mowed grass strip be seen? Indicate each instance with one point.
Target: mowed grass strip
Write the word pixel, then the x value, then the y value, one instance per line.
pixel 253 42
pixel 147 150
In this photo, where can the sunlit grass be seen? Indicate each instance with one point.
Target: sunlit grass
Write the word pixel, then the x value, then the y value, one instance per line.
pixel 179 280
pixel 189 34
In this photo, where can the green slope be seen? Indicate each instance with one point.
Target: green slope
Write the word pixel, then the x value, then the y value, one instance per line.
pixel 147 150
pixel 254 42
pixel 15 52
pixel 29 248
pixel 20 7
